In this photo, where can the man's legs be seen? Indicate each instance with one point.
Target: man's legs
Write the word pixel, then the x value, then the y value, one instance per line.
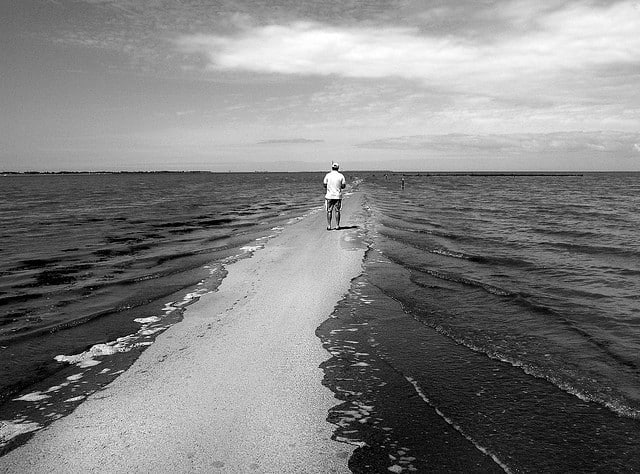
pixel 337 209
pixel 328 204
pixel 333 206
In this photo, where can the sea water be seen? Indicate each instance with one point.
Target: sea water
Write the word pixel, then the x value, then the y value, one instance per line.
pixel 496 326
pixel 94 266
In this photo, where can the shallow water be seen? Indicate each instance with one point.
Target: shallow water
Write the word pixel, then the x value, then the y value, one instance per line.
pixel 508 305
pixel 494 328
pixel 94 266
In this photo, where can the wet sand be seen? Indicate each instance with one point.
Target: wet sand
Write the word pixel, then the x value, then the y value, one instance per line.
pixel 235 387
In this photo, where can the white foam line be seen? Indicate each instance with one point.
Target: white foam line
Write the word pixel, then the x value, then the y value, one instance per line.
pixel 32 397
pixel 152 319
pixel 75 399
pixel 86 359
pixel 615 405
pixel 251 248
pixel 482 449
pixel 342 439
pixel 55 388
pixel 122 344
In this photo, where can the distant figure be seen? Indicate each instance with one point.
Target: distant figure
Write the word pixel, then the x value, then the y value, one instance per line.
pixel 402 182
pixel 334 183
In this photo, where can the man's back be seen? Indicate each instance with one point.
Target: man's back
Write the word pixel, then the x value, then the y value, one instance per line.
pixel 335 182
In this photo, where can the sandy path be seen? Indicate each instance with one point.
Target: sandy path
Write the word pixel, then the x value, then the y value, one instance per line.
pixel 235 387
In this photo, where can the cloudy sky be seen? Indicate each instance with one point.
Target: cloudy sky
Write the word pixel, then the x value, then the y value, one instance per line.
pixel 292 84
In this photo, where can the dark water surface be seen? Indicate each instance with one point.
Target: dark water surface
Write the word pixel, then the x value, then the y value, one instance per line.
pixel 94 266
pixel 495 326
pixel 507 307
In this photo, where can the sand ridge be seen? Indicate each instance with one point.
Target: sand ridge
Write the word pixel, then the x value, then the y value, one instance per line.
pixel 235 387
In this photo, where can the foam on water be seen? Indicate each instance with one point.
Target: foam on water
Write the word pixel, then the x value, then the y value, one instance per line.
pixel 151 319
pixel 86 358
pixel 32 397
pixel 251 248
pixel 125 343
pixel 75 399
pixel 604 398
pixel 150 326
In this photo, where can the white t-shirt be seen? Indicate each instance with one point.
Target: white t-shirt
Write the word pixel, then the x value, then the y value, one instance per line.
pixel 334 181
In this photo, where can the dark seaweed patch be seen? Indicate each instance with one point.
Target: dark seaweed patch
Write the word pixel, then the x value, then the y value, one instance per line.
pixel 54 277
pixel 184 230
pixel 139 247
pixel 173 224
pixel 112 252
pixel 59 276
pixel 215 238
pixel 119 251
pixel 122 240
pixel 212 222
pixel 176 256
pixel 36 263
pixel 12 317
pixel 244 224
pixel 19 298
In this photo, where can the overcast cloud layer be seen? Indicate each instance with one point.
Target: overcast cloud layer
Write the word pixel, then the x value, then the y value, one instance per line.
pixel 573 40
pixel 147 84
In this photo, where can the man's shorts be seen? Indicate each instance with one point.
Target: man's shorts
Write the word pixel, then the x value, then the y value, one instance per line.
pixel 332 204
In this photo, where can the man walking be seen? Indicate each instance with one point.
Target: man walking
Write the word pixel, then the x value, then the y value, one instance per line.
pixel 334 182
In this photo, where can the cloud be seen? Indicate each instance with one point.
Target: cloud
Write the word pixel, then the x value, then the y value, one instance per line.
pixel 289 140
pixel 601 141
pixel 573 39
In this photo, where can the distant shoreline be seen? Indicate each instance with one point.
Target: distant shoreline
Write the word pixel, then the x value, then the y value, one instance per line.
pixel 13 173
pixel 402 173
pixel 506 173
